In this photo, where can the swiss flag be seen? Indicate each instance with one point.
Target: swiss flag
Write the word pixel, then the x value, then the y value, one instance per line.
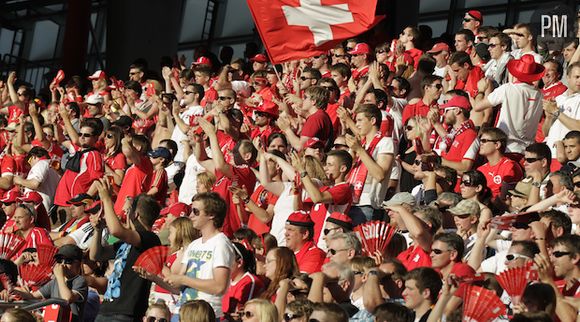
pixel 294 29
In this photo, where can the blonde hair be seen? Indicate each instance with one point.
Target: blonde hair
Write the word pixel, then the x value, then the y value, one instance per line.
pixel 196 311
pixel 207 179
pixel 314 168
pixel 266 310
pixel 184 233
pixel 361 263
pixel 159 306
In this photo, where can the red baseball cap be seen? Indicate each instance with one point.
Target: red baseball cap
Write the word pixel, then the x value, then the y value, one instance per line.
pixel 360 48
pixel 300 218
pixel 10 196
pixel 340 219
pixel 260 58
pixel 457 101
pixel 268 107
pixel 202 61
pixel 31 196
pixel 476 14
pixel 99 74
pixel 439 47
pixel 314 143
pixel 178 209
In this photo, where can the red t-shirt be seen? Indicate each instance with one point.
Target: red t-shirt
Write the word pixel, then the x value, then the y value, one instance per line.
pixel 506 170
pixel 244 177
pixel 417 109
pixel 341 201
pixel 463 147
pixel 227 144
pixel 116 162
pixel 37 236
pixel 470 84
pixel 357 74
pixel 14 113
pixel 264 134
pixel 209 96
pixel 310 258
pixel 159 180
pixel 136 181
pixel 318 125
pixel 247 288
pixel 263 198
pixel 73 183
pixel 416 55
pixel 414 257
pixel 331 111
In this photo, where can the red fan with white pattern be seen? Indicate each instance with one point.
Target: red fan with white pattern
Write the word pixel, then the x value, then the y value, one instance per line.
pixel 6 282
pixel 153 259
pixel 35 275
pixel 515 280
pixel 45 255
pixel 375 236
pixel 10 244
pixel 481 304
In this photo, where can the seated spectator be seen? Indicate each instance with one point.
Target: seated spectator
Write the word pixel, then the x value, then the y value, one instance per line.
pixel 280 264
pixel 422 286
pixel 343 247
pixel 157 312
pixel 447 254
pixel 196 310
pixel 300 239
pixel 328 312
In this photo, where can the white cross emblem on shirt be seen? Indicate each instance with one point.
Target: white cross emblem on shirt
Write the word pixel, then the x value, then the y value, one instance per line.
pixel 318 18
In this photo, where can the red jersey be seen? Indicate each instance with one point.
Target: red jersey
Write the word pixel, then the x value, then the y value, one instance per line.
pixel 227 145
pixel 357 74
pixel 318 125
pixel 331 110
pixel 73 183
pixel 416 55
pixel 116 162
pixel 209 97
pixel 243 177
pixel 506 170
pixel 160 181
pixel 550 93
pixel 464 147
pixel 310 258
pixel 247 288
pixel 14 113
pixel 137 180
pixel 417 109
pixel 414 257
pixel 263 198
pixel 341 201
pixel 470 84
pixel 37 236
pixel 265 133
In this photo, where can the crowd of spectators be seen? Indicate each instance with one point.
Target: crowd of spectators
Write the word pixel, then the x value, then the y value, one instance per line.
pixel 259 177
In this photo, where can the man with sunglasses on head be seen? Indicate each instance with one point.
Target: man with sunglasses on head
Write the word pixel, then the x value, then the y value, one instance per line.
pixel 184 113
pixel 68 283
pixel 498 169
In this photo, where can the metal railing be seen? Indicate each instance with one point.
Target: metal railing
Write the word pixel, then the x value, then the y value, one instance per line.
pixel 33 73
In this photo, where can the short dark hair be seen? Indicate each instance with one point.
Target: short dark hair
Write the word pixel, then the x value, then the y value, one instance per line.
pixel 381 96
pixel 454 241
pixel 504 39
pixel 426 278
pixel 559 67
pixel 496 134
pixel 315 73
pixel 529 248
pixel 541 150
pixel 342 68
pixel 393 312
pixel 171 146
pixel 135 86
pixel 336 312
pixel 198 89
pixel 38 152
pixel 403 83
pixel 428 80
pixel 343 156
pixel 148 208
pixel 572 135
pixel 319 94
pixel 213 204
pixel 95 124
pixel 467 34
pixel 460 58
pixel 371 111
pixel 571 67
pixel 571 242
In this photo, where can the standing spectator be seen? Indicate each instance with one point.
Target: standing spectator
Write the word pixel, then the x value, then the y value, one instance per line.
pixel 466 217
pixel 193 95
pixel 409 39
pixel 472 20
pixel 360 61
pixel 499 50
pixel 447 255
pixel 521 119
pixel 553 87
pixel 464 75
pixel 432 87
pixel 525 41
pixel 440 52
pixel 569 47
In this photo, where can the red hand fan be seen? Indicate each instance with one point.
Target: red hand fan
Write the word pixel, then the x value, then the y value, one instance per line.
pixel 6 282
pixel 45 255
pixel 515 280
pixel 374 235
pixel 150 90
pixel 481 304
pixel 153 259
pixel 505 222
pixel 58 78
pixel 10 244
pixel 34 275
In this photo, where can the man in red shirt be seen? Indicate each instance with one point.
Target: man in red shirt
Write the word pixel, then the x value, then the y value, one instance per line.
pixel 318 123
pixel 472 20
pixel 446 254
pixel 265 116
pixel 236 173
pixel 464 40
pixel 565 260
pixel 409 39
pixel 327 199
pixel 138 176
pixel 463 74
pixel 299 234
pixel 360 61
pixel 498 169
pixel 86 164
pixel 459 147
pixel 19 97
pixel 432 86
pixel 553 87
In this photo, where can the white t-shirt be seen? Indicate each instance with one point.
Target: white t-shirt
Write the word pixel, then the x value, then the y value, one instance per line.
pixel 520 113
pixel 201 258
pixel 570 106
pixel 48 178
pixel 537 57
pixel 440 71
pixel 374 191
pixel 188 187
pixel 178 135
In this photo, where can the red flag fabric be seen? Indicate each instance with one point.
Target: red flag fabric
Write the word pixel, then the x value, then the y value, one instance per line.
pixel 295 29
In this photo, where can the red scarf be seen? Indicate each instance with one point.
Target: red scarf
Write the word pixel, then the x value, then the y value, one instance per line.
pixel 358 176
pixel 448 140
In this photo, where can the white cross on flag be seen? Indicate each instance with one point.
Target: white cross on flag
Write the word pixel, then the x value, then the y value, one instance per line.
pixel 294 29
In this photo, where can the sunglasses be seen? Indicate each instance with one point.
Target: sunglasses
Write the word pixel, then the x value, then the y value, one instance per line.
pixel 468 183
pixel 188 92
pixel 247 314
pixel 463 216
pixel 223 98
pixel 438 251
pixel 289 317
pixel 467 20
pixel 577 184
pixel 303 78
pixel 67 261
pixel 511 257
pixel 417 162
pixel 154 319
pixel 339 56
pixel 260 113
pixel 559 254
pixel 357 272
pixel 334 251
pixel 326 231
pixel 437 86
pixel 409 128
pixel 487 140
pixel 109 136
pixel 520 225
pixel 195 211
pixel 340 146
pixel 532 160
pixel 380 51
pixel 85 135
